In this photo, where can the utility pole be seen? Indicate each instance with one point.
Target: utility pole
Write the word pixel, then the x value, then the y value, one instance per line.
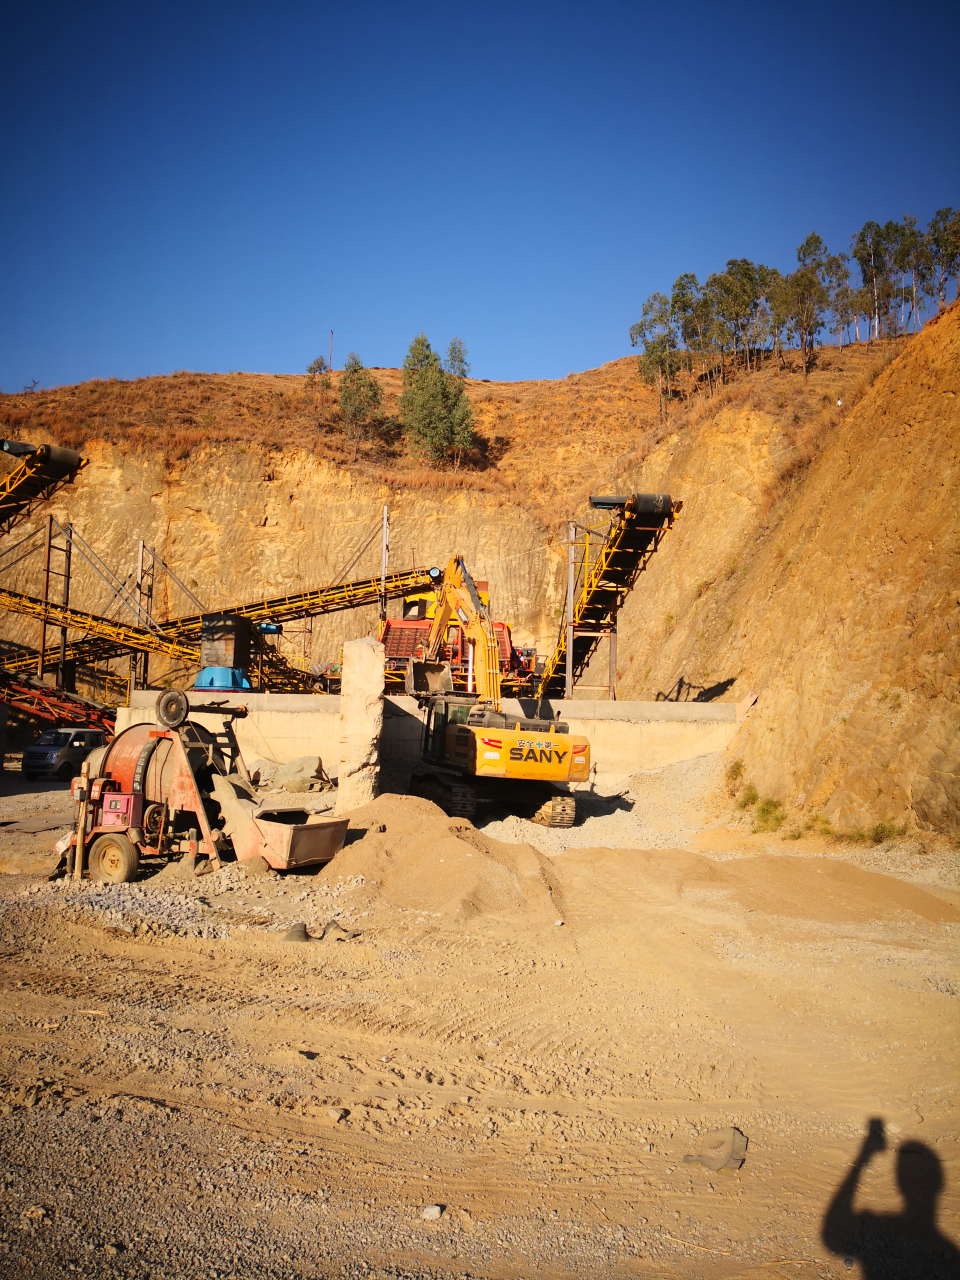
pixel 331 350
pixel 385 557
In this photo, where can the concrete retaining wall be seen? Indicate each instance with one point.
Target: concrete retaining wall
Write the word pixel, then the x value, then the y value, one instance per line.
pixel 624 736
pixel 278 726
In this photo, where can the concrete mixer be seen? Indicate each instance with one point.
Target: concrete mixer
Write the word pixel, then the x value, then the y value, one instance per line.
pixel 178 788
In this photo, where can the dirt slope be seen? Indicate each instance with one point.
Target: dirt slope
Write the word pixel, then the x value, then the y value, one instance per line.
pixel 840 604
pixel 815 561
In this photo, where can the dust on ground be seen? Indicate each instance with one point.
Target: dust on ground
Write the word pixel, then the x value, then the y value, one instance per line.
pixel 530 1029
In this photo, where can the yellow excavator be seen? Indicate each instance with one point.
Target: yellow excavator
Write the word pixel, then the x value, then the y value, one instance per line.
pixel 473 749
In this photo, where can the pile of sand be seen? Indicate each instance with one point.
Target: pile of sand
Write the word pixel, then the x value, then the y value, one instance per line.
pixel 411 855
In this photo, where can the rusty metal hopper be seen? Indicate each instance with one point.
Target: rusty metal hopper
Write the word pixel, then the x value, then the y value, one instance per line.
pixel 286 845
pixel 284 838
pixel 427 678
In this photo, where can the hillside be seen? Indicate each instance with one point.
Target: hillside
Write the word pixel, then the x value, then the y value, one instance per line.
pixel 814 559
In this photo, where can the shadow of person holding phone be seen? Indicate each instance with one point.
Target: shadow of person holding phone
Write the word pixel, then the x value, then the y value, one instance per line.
pixel 893 1246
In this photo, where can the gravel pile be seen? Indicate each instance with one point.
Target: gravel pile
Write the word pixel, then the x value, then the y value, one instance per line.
pixel 134 908
pixel 648 811
pixel 263 770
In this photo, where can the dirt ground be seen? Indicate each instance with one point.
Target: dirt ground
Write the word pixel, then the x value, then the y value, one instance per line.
pixel 529 1030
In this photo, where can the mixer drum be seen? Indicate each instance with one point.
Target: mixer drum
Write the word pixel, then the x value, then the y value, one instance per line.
pixel 144 766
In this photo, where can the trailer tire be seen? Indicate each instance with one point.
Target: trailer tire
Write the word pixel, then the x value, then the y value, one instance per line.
pixel 113 859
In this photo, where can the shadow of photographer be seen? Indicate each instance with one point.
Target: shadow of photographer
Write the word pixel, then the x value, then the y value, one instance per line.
pixel 893 1246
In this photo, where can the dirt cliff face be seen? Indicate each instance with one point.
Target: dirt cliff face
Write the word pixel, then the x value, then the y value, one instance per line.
pixel 816 559
pixel 839 604
pixel 241 526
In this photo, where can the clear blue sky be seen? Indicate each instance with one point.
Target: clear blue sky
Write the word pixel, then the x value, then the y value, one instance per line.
pixel 215 186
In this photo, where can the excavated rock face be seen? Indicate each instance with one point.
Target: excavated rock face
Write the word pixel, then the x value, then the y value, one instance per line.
pixel 833 591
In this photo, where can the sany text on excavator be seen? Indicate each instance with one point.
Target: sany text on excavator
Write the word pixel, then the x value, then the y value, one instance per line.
pixel 473 749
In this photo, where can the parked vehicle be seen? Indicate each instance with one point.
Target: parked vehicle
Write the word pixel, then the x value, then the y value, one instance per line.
pixel 59 753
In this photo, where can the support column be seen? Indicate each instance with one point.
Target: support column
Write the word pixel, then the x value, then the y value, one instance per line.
pixel 42 652
pixel 613 661
pixel 65 680
pixel 384 560
pixel 571 580
pixel 361 722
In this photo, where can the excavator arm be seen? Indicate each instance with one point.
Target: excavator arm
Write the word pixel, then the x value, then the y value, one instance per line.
pixel 459 601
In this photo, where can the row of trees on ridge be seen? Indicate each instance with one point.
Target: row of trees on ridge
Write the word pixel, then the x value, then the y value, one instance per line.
pixel 435 413
pixel 750 311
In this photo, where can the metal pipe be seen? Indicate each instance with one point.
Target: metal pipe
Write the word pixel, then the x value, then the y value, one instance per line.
pixel 110 578
pixel 35 533
pixel 135 674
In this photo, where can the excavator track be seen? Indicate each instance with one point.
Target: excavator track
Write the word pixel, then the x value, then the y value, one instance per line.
pixel 456 799
pixel 558 811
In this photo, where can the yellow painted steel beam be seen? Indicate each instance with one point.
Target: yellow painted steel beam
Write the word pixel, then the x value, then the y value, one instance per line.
pixel 83 652
pixel 600 580
pixel 129 637
pixel 33 481
pixel 345 595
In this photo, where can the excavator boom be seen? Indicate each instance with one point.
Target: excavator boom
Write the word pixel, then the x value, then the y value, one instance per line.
pixel 458 601
pixel 474 749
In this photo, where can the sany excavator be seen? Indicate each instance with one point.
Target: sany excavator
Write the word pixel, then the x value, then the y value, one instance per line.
pixel 473 749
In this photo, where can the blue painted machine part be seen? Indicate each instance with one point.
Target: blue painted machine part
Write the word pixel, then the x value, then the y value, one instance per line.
pixel 222 678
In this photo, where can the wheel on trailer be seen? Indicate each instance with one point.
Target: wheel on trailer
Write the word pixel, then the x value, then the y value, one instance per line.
pixel 558 811
pixel 113 859
pixel 153 821
pixel 173 707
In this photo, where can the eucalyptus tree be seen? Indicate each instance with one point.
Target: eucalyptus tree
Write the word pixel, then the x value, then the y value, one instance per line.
pixel 661 358
pixel 836 277
pixel 692 311
pixel 434 409
pixel 914 257
pixel 870 249
pixel 943 239
pixel 720 292
pixel 361 397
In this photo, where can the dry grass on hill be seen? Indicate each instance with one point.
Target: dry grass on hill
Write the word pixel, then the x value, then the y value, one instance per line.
pixel 535 438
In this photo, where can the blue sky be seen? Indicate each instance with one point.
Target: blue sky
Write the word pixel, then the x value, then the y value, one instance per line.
pixel 216 186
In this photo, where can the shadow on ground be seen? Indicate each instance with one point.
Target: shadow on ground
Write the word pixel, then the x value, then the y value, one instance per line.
pixel 685 691
pixel 893 1246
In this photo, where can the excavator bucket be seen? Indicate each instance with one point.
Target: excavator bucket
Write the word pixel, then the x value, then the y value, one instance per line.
pixel 427 677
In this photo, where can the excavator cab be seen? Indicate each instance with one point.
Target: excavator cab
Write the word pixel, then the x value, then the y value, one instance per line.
pixel 442 714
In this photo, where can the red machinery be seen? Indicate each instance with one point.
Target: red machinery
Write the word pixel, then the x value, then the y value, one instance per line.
pixel 178 788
